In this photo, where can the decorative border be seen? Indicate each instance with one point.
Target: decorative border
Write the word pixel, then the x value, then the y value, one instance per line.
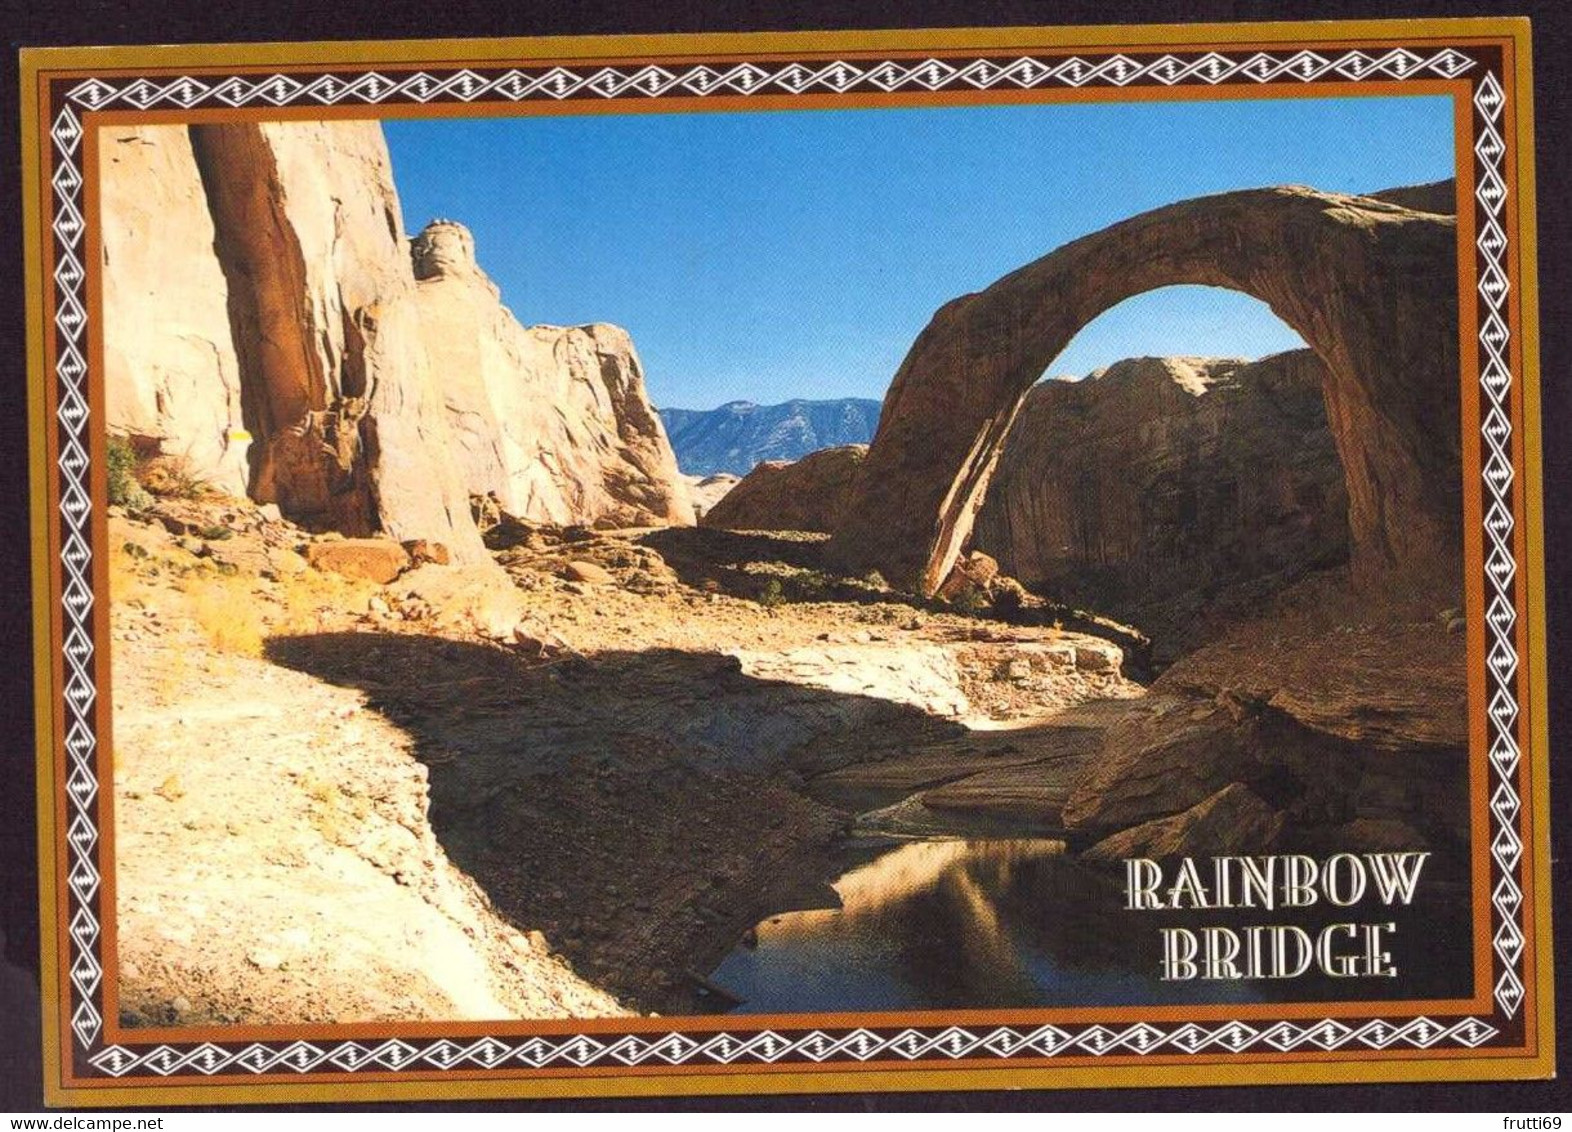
pixel 752 79
pixel 309 88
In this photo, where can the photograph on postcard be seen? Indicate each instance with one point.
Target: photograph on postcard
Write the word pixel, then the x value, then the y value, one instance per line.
pixel 958 557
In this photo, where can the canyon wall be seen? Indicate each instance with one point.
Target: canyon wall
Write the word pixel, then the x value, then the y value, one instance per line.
pixel 171 378
pixel 349 428
pixel 1158 488
pixel 267 320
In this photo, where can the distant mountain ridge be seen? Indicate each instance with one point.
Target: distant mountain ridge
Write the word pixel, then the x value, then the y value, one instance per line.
pixel 739 434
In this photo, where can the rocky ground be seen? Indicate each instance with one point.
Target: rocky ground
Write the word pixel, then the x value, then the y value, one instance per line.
pixel 274 861
pixel 353 782
pixel 1330 721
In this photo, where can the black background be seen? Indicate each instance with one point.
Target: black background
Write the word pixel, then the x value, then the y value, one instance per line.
pixel 96 22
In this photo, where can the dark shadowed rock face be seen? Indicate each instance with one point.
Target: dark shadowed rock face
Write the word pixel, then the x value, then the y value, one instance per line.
pixel 1439 197
pixel 808 495
pixel 1161 769
pixel 1234 820
pixel 1370 286
pixel 1162 490
pixel 740 435
pixel 1348 717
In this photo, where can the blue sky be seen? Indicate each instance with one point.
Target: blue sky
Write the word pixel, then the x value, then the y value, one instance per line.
pixel 770 255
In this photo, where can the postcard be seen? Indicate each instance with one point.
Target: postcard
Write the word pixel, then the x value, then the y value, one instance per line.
pixel 788 562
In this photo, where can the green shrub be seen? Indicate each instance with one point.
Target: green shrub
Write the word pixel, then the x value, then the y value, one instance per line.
pixel 124 491
pixel 970 601
pixel 771 594
pixel 812 585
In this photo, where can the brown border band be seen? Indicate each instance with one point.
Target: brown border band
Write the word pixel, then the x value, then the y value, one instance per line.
pixel 1512 35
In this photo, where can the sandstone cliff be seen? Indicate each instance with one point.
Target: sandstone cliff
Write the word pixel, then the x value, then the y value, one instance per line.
pixel 171 377
pixel 1161 488
pixel 807 495
pixel 350 432
pixel 552 420
pixel 265 322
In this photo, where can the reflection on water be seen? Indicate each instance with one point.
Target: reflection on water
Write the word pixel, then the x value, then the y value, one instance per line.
pixel 990 924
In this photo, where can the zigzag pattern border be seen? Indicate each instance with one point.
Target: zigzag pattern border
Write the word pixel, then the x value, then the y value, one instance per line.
pixel 676 1048
pixel 751 79
pixel 1506 847
pixel 768 1047
pixel 77 599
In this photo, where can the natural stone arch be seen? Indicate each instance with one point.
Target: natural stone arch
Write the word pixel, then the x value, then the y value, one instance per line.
pixel 1371 286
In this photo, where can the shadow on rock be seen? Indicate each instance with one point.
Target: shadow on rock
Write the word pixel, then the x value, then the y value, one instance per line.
pixel 637 807
pixel 761 564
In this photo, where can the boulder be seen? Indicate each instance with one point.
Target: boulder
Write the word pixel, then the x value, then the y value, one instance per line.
pixel 972 573
pixel 590 573
pixel 474 598
pixel 376 560
pixel 422 551
pixel 1162 761
pixel 809 494
pixel 554 422
pixel 1233 821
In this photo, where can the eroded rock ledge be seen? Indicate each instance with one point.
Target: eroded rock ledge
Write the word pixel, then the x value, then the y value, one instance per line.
pixel 1348 722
